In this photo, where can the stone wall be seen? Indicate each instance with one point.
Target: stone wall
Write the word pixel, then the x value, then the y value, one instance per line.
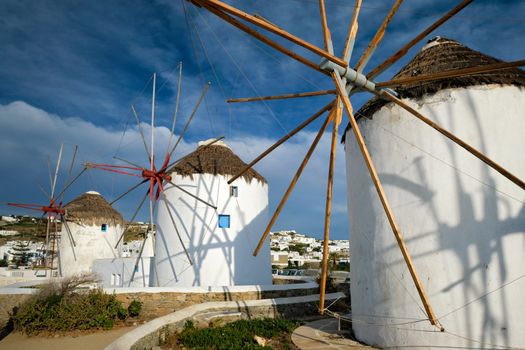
pixel 157 331
pixel 162 303
pixel 158 302
pixel 7 303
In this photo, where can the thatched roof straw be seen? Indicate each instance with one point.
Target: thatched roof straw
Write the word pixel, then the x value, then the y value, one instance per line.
pixel 440 55
pixel 91 208
pixel 216 159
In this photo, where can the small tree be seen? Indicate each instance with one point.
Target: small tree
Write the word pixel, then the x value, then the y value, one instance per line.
pixel 20 253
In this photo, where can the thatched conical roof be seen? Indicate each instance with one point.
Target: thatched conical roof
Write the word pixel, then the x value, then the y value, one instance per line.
pixel 439 55
pixel 91 208
pixel 217 159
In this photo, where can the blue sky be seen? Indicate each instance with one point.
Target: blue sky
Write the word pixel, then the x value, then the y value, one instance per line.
pixel 70 70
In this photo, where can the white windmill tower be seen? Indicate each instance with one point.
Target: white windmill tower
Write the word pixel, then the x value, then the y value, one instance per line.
pixel 155 174
pixel 200 245
pixel 463 222
pixel 349 77
pixel 95 228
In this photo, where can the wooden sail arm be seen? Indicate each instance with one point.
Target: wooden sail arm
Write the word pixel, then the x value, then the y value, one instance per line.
pixel 282 97
pixel 262 38
pixel 455 139
pixel 403 51
pixel 382 197
pixel 352 32
pixel 292 184
pixel 374 43
pixel 282 140
pixel 486 68
pixel 271 28
pixel 328 208
pixel 326 31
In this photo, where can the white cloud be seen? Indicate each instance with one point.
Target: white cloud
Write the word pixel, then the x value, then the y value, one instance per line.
pixel 31 134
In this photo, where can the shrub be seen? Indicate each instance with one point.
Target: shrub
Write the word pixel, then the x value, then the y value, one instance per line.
pixel 62 307
pixel 134 308
pixel 235 335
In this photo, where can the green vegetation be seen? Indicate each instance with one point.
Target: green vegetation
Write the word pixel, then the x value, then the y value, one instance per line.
pixel 27 229
pixel 298 247
pixel 134 308
pixel 65 307
pixel 20 253
pixel 239 335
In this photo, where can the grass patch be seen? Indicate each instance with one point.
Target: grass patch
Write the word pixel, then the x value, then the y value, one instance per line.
pixel 239 335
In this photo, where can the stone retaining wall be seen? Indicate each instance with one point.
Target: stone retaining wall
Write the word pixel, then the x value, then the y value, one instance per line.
pixel 157 331
pixel 8 303
pixel 10 298
pixel 160 303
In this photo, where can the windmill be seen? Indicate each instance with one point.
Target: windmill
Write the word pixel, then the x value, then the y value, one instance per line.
pixel 54 211
pixel 348 79
pixel 154 177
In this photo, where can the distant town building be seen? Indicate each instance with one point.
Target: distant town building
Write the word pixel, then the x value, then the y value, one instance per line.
pixel 300 249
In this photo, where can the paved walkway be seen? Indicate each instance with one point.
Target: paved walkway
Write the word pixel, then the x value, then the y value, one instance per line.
pixel 323 334
pixel 93 341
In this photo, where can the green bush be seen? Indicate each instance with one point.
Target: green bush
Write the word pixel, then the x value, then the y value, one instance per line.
pixel 235 335
pixel 64 308
pixel 134 308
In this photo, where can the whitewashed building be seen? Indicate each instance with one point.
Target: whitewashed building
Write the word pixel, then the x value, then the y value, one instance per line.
pixel 463 223
pixel 95 228
pixel 213 247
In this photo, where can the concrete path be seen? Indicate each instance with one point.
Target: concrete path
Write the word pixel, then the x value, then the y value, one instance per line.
pixel 94 341
pixel 323 334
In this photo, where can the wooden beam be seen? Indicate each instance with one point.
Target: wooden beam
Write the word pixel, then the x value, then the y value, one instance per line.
pixel 361 64
pixel 328 209
pixel 271 28
pixel 382 197
pixel 455 139
pixel 281 97
pixel 292 184
pixel 486 68
pixel 352 32
pixel 403 51
pixel 326 31
pixel 263 38
pixel 282 140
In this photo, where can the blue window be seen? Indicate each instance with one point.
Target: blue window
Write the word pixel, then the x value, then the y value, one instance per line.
pixel 104 227
pixel 234 191
pixel 224 221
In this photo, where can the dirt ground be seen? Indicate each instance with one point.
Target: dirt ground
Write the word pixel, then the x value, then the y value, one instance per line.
pixel 85 341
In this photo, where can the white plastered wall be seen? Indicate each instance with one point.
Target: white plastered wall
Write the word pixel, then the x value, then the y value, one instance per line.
pixel 464 223
pixel 91 244
pixel 220 256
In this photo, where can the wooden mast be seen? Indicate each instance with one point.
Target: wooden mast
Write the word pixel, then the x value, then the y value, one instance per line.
pixel 328 209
